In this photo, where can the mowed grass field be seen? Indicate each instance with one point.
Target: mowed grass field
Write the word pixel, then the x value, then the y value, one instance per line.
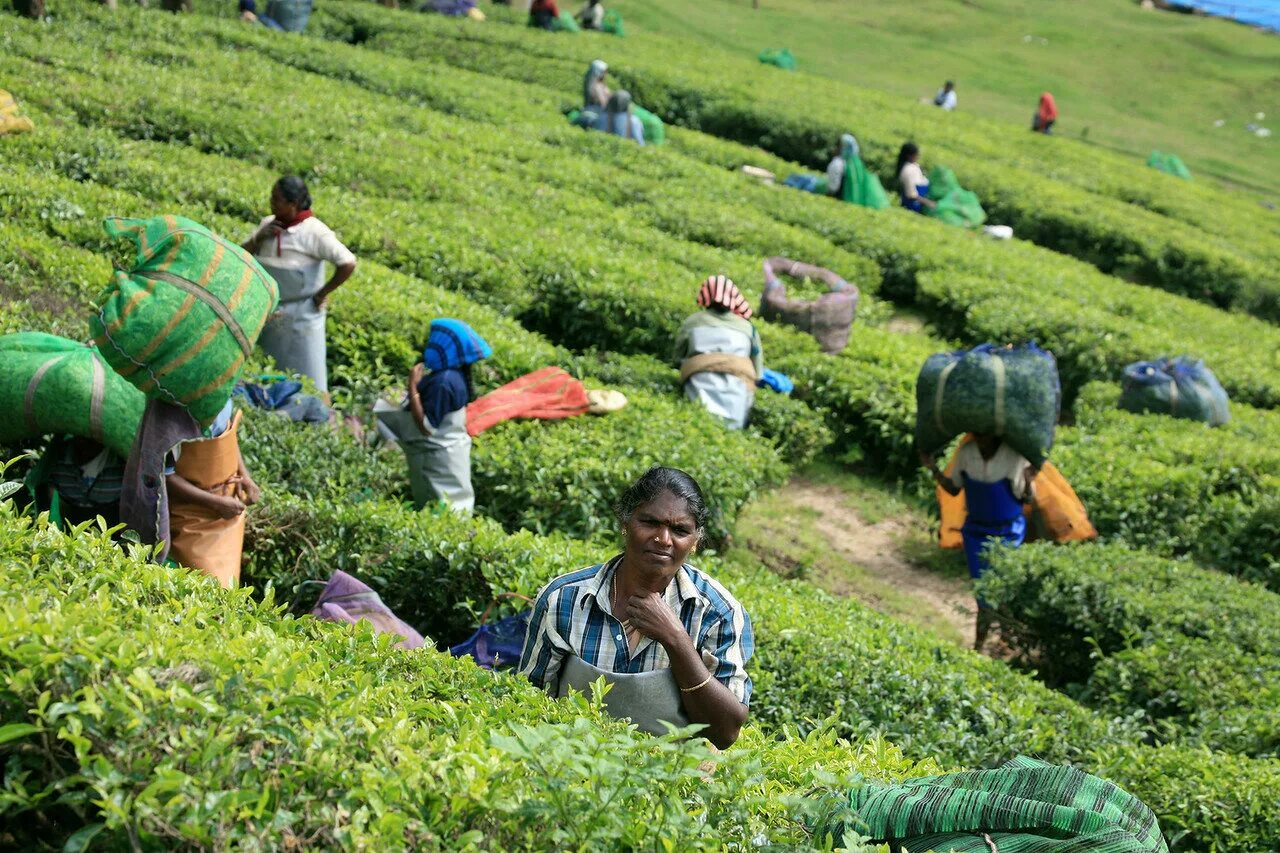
pixel 1124 77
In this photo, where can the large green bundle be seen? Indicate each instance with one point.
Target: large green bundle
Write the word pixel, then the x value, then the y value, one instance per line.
pixel 1170 164
pixel 781 57
pixel 1006 391
pixel 181 323
pixel 1026 806
pixel 1182 387
pixel 654 131
pixel 955 204
pixel 53 385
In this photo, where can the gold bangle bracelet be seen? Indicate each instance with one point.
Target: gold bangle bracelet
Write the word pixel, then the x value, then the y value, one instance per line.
pixel 697 686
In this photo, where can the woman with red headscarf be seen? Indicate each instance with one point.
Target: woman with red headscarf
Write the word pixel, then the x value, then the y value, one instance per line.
pixel 1046 115
pixel 718 353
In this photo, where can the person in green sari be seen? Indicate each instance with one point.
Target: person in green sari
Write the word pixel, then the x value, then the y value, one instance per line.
pixel 849 180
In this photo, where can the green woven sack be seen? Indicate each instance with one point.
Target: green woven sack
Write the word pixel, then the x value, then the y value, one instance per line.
pixel 181 323
pixel 53 385
pixel 654 131
pixel 612 23
pixel 1012 393
pixel 955 204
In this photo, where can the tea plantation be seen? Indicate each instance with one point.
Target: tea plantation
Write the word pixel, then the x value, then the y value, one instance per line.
pixel 146 708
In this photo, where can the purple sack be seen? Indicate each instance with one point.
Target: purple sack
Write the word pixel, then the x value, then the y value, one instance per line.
pixel 346 599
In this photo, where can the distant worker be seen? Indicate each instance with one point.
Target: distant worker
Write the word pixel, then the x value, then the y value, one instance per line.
pixel 838 170
pixel 719 354
pixel 249 14
pixel 670 640
pixel 440 465
pixel 543 14
pixel 293 245
pixel 209 488
pixel 913 186
pixel 595 92
pixel 996 481
pixel 946 97
pixel 619 120
pixel 1046 114
pixel 592 15
pixel 76 480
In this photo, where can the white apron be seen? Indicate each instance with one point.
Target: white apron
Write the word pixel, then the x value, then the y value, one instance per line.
pixel 439 462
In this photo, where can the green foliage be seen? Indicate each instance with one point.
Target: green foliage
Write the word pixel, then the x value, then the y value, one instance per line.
pixel 1191 649
pixel 143 706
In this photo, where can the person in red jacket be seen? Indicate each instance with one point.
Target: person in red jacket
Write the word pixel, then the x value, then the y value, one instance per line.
pixel 543 14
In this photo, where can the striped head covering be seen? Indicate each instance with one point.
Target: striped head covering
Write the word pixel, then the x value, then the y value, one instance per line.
pixel 720 290
pixel 452 343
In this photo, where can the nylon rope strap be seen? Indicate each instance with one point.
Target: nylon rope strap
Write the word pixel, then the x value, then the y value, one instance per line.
pixel 998 370
pixel 29 399
pixel 937 395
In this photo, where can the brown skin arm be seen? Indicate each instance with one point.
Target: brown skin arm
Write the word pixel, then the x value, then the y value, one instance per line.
pixel 255 242
pixel 340 275
pixel 942 480
pixel 712 704
pixel 415 402
pixel 224 506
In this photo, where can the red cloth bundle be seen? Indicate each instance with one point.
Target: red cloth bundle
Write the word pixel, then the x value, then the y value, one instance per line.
pixel 548 394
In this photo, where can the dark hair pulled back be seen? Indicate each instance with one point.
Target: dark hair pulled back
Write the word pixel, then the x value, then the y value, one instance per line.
pixel 294 190
pixel 653 483
pixel 905 153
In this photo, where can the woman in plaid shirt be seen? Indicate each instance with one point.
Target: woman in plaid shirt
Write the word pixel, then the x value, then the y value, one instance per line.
pixel 647 610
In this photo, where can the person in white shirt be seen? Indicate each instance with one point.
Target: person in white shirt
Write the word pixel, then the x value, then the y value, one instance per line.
pixel 996 481
pixel 913 186
pixel 946 97
pixel 293 245
pixel 592 15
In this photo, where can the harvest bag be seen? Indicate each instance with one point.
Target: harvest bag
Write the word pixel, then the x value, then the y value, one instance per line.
pixel 54 385
pixel 346 599
pixel 181 323
pixel 1013 393
pixel 827 318
pixel 497 645
pixel 1181 387
pixel 1024 806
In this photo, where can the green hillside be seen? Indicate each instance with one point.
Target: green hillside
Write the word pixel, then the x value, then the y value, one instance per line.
pixel 1129 78
pixel 143 707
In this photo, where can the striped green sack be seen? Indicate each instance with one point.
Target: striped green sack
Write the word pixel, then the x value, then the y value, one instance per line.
pixel 1025 806
pixel 53 385
pixel 180 325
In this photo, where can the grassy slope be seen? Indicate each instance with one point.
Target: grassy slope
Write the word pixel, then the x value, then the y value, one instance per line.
pixel 1192 71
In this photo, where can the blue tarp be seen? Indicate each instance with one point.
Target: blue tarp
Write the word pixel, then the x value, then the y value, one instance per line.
pixel 1259 13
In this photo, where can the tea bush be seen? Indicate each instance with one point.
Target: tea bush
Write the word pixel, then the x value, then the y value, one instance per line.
pixel 1111 217
pixel 143 706
pixel 1192 649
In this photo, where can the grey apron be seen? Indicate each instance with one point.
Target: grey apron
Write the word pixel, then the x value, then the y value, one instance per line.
pixel 294 335
pixel 439 463
pixel 647 698
pixel 722 394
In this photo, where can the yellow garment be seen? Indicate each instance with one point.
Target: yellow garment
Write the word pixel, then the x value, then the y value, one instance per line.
pixel 1055 512
pixel 10 121
pixel 201 539
pixel 475 14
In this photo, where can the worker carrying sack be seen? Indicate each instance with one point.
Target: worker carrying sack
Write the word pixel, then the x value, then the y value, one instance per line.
pixel 1012 392
pixel 52 385
pixel 955 205
pixel 828 318
pixel 180 325
pixel 1182 387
